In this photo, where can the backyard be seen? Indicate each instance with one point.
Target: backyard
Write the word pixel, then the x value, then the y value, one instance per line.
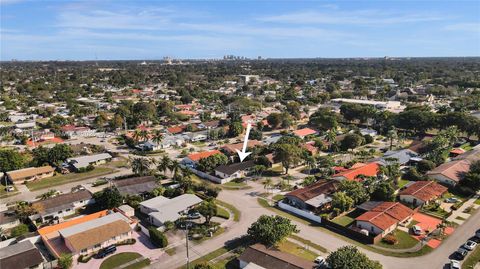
pixel 348 219
pixel 72 177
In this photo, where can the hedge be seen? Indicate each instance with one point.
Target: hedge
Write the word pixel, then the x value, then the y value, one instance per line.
pixel 158 238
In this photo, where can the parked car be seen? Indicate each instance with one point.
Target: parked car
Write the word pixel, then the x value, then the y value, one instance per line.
pixel 469 245
pixel 416 230
pixel 194 215
pixel 477 233
pixel 460 253
pixel 454 264
pixel 451 200
pixel 9 189
pixel 106 251
pixel 320 262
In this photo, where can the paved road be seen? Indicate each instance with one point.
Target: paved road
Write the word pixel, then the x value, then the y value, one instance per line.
pixel 246 202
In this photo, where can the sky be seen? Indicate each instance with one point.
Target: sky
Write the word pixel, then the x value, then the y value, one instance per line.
pixel 143 30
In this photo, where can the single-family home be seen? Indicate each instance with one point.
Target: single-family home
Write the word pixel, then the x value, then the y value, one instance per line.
pixel 161 209
pixel 369 132
pixel 20 256
pixel 314 197
pixel 302 133
pixel 136 185
pixel 61 205
pixel 72 131
pixel 231 149
pixel 258 256
pixel 84 161
pixel 192 159
pixel 29 174
pixel 235 170
pixel 450 173
pixel 402 157
pixel 87 234
pixel 358 170
pixel 422 192
pixel 384 217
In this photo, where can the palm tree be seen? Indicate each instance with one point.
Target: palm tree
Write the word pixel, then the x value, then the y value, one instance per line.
pixel 392 135
pixel 157 136
pixel 267 183
pixel 144 135
pixel 164 163
pixel 140 166
pixel 330 136
pixel 310 162
pixel 136 135
pixel 174 167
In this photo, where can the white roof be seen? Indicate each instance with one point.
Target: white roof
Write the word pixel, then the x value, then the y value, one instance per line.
pixel 169 209
pixel 92 224
pixel 84 161
pixel 155 202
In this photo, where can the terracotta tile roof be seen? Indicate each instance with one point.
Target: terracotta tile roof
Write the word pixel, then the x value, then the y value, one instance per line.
pixel 232 147
pixel 310 148
pixel 304 132
pixel 29 172
pixel 453 170
pixel 386 214
pixel 188 113
pixel 176 129
pixel 314 190
pixel 98 235
pixel 200 155
pixel 369 169
pixel 424 190
pixel 273 258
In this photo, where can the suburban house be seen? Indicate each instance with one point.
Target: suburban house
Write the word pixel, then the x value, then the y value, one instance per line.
pixel 136 185
pixel 192 159
pixel 357 170
pixel 383 217
pixel 235 170
pixel 87 234
pixel 231 149
pixel 61 205
pixel 72 131
pixel 450 173
pixel 302 133
pixel 29 174
pixel 150 146
pixel 314 197
pixel 402 157
pixel 20 256
pixel 84 161
pixel 258 256
pixel 422 192
pixel 369 132
pixel 8 220
pixel 161 209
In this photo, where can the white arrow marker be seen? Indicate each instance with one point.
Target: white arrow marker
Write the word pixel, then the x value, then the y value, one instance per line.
pixel 242 154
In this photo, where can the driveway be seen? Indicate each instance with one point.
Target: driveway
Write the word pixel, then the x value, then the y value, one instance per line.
pixel 142 246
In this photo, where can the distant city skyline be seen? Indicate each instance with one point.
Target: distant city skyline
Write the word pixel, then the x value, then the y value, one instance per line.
pixel 129 30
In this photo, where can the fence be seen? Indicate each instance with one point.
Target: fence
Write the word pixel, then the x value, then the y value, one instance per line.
pixel 210 177
pixel 306 214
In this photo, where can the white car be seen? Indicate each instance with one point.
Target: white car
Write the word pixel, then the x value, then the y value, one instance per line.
pixel 454 264
pixel 320 262
pixel 416 230
pixel 469 245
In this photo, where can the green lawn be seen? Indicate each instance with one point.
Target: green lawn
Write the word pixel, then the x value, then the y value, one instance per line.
pixel 472 259
pixel 343 220
pixel 72 177
pixel 477 202
pixel 297 250
pixel 222 213
pixel 405 241
pixel 139 265
pixel 278 197
pixel 234 210
pixel 466 146
pixel 119 259
pixel 309 243
pixel 402 182
pixel 235 185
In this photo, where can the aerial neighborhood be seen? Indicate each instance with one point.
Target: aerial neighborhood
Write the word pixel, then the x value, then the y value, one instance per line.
pixel 240 163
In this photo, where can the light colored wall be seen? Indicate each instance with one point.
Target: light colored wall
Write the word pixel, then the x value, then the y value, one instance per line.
pixel 443 179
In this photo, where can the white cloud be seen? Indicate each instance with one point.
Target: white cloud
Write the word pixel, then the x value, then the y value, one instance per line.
pixel 464 27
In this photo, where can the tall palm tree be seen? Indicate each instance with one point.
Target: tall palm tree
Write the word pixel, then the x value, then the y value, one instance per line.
pixel 136 135
pixel 174 167
pixel 144 135
pixel 311 163
pixel 330 136
pixel 267 183
pixel 164 164
pixel 392 135
pixel 140 166
pixel 157 136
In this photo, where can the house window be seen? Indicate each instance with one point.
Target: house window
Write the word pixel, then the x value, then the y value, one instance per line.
pixel 97 245
pixel 83 250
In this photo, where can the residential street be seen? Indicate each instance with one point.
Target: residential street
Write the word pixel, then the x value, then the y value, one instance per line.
pixel 246 202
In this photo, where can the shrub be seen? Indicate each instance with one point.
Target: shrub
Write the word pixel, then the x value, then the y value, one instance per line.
pixel 158 238
pixel 390 239
pixel 129 241
pixel 84 258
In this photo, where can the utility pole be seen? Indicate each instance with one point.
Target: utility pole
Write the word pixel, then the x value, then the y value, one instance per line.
pixel 186 240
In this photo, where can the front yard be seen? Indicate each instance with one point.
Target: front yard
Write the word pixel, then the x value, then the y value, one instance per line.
pixel 404 241
pixel 72 177
pixel 123 258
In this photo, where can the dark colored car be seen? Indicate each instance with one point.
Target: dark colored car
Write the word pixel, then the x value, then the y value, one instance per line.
pixel 460 253
pixel 106 251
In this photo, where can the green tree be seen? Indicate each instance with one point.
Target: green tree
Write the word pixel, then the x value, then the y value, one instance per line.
pixel 65 261
pixel 11 160
pixel 324 119
pixel 274 120
pixel 235 129
pixel 164 164
pixel 383 191
pixel 354 190
pixel 349 257
pixel 270 230
pixel 203 265
pixel 211 162
pixel 59 153
pixel 289 155
pixel 108 198
pixel 341 201
pixel 351 141
pixel 140 166
pixel 472 177
pixel 19 230
pixel 208 209
pixel 158 238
